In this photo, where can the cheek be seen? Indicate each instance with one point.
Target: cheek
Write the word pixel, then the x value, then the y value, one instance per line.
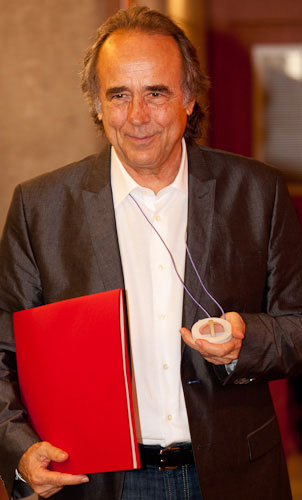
pixel 114 118
pixel 170 115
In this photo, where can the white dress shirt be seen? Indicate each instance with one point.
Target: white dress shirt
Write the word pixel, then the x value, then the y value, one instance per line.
pixel 154 297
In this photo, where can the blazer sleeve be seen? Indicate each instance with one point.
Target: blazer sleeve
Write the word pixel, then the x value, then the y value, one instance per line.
pixel 272 347
pixel 20 288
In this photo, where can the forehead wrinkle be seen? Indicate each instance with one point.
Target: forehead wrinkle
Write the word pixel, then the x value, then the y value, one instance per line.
pixel 140 68
pixel 134 64
pixel 140 77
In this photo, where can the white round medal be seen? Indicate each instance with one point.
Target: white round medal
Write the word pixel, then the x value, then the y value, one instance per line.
pixel 214 330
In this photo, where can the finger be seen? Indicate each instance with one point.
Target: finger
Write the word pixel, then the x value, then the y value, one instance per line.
pixel 48 451
pixel 52 478
pixel 46 483
pixel 219 350
pixel 209 349
pixel 219 353
pixel 237 324
pixel 238 334
pixel 188 339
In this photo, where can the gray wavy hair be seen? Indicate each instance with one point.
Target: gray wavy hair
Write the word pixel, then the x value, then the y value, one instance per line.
pixel 194 83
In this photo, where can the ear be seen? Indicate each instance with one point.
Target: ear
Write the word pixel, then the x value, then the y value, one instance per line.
pixel 189 107
pixel 99 109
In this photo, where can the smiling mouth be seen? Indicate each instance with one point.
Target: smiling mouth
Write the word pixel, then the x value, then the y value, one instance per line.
pixel 141 140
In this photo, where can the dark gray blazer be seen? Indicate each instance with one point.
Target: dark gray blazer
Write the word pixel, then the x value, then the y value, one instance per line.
pixel 60 242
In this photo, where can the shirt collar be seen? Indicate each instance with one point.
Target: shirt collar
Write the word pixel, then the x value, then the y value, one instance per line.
pixel 123 184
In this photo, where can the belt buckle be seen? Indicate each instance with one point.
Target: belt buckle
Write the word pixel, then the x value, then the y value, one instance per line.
pixel 162 459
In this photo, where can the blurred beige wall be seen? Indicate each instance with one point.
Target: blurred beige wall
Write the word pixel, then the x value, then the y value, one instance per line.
pixel 44 120
pixel 190 15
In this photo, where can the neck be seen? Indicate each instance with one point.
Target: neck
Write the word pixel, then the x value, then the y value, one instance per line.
pixel 154 180
pixel 155 177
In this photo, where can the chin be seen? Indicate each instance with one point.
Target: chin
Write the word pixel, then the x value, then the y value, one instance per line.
pixel 141 159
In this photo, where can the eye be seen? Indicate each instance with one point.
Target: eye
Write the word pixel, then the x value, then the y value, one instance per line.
pixel 156 98
pixel 158 94
pixel 120 98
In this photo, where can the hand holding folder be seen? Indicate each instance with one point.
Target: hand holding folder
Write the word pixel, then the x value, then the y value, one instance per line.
pixel 74 377
pixel 33 467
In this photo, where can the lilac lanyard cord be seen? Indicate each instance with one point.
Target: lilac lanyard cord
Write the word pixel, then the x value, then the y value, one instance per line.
pixel 174 265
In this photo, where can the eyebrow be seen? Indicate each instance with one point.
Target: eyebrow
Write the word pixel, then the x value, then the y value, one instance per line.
pixel 159 88
pixel 116 90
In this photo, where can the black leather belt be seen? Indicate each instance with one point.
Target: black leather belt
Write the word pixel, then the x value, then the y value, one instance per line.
pixel 172 457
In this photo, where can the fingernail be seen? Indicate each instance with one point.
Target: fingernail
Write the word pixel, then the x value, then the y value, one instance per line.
pixel 85 480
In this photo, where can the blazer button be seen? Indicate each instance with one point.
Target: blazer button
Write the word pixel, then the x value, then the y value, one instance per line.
pixel 243 380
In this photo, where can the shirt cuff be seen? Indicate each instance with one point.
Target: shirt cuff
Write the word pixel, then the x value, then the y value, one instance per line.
pixel 18 476
pixel 231 366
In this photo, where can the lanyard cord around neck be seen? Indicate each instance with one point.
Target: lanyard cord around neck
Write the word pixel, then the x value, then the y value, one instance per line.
pixel 176 270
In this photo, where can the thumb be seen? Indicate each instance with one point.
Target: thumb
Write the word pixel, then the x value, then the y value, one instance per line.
pixel 47 451
pixel 237 323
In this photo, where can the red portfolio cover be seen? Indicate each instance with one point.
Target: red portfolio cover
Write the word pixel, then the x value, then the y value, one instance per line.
pixel 74 376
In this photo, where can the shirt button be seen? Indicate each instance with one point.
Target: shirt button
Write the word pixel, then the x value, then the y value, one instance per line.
pixel 162 316
pixel 160 267
pixel 165 366
pixel 169 417
pixel 157 218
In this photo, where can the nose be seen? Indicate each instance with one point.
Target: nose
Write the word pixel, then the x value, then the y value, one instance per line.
pixel 138 113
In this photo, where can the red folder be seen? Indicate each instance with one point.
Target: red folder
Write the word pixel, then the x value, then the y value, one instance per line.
pixel 74 377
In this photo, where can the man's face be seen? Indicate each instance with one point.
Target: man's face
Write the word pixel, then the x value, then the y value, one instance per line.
pixel 144 112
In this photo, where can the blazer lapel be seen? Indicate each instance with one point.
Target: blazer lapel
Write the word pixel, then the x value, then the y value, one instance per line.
pixel 200 221
pixel 99 210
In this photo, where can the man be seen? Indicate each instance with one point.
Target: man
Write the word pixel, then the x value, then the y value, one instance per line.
pixel 83 229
